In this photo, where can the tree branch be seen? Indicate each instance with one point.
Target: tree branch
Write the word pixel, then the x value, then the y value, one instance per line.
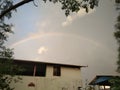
pixel 14 7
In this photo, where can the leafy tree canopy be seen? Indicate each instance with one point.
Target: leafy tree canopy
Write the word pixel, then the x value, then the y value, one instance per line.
pixel 67 5
pixel 117 33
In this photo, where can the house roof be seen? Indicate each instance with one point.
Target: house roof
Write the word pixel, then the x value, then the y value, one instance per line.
pixel 101 80
pixel 36 66
pixel 47 63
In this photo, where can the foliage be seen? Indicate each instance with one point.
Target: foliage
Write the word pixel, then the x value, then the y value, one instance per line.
pixel 8 71
pixel 117 33
pixel 5 4
pixel 75 5
pixel 115 83
pixel 67 5
pixel 7 68
pixel 116 80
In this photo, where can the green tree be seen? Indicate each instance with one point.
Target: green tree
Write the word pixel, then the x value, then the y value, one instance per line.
pixel 5 52
pixel 7 68
pixel 117 32
pixel 117 35
pixel 116 80
pixel 67 5
pixel 115 83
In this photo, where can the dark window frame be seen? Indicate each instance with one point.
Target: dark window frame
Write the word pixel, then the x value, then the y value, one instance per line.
pixel 33 69
pixel 56 70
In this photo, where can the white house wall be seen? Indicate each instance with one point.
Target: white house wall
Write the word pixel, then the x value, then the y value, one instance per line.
pixel 49 71
pixel 70 72
pixel 69 80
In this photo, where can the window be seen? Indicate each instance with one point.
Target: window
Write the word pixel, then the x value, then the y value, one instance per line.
pixel 56 70
pixel 33 69
pixel 40 70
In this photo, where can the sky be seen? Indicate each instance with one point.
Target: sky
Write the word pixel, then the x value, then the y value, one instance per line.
pixel 44 33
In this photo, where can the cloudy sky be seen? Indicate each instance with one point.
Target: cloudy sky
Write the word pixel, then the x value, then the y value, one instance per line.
pixel 44 33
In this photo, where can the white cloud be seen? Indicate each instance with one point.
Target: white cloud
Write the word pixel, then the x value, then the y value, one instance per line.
pixel 73 17
pixel 42 50
pixel 68 20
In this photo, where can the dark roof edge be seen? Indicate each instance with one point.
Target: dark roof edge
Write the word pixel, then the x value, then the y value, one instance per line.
pixel 50 63
pixel 97 76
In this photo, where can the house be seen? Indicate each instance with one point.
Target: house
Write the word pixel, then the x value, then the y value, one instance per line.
pixel 102 82
pixel 48 76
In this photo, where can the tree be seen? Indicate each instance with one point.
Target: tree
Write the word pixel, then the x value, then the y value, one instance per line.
pixel 117 36
pixel 67 5
pixel 5 52
pixel 116 80
pixel 115 83
pixel 7 68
